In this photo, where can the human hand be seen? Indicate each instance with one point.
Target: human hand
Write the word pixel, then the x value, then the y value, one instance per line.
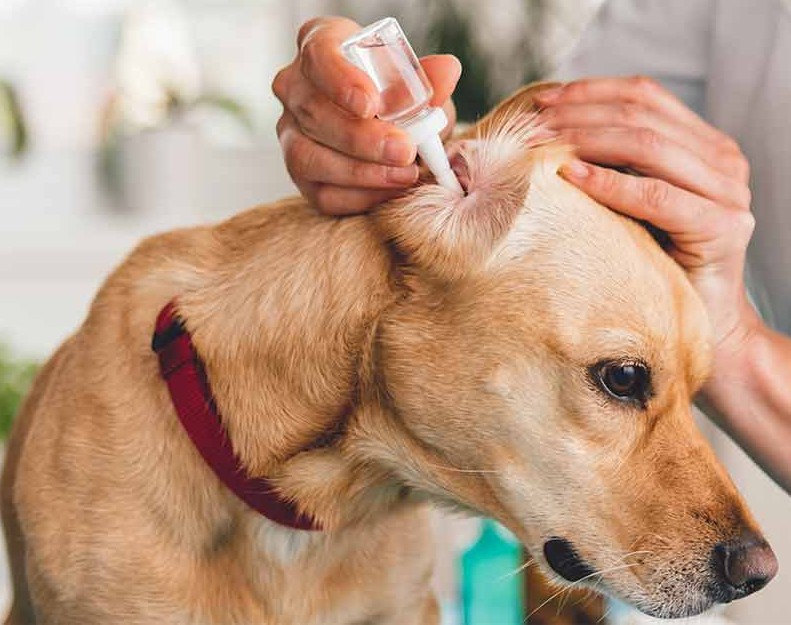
pixel 342 158
pixel 694 183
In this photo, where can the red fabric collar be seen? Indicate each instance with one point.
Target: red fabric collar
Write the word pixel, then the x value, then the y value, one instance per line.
pixel 184 373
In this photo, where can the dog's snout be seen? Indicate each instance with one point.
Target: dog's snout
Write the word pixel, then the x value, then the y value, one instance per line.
pixel 743 566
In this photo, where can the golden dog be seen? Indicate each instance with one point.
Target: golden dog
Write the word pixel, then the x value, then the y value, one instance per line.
pixel 520 352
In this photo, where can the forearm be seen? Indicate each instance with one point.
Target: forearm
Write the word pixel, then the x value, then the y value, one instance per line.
pixel 749 395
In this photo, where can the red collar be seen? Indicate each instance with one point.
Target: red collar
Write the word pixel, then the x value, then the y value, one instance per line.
pixel 184 373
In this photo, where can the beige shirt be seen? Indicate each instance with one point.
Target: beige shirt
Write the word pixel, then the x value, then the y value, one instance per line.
pixel 731 61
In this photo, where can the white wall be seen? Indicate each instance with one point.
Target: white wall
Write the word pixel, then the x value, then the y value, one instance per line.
pixel 60 230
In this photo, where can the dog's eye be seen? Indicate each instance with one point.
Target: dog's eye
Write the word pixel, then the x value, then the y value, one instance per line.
pixel 625 380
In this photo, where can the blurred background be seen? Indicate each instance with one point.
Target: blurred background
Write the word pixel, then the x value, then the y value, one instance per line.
pixel 121 118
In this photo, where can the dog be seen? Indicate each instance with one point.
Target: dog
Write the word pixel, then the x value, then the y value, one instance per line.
pixel 317 383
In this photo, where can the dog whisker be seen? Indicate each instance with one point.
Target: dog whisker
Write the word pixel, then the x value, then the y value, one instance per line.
pixel 580 581
pixel 518 570
pixel 603 618
pixel 457 470
pixel 635 553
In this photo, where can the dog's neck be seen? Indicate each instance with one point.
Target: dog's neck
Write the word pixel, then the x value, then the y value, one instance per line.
pixel 285 331
pixel 286 317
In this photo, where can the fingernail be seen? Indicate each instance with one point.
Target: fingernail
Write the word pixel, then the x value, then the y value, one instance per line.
pixel 358 102
pixel 550 95
pixel 575 169
pixel 397 151
pixel 457 66
pixel 402 175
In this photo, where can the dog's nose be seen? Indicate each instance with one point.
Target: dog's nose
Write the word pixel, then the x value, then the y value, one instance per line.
pixel 744 565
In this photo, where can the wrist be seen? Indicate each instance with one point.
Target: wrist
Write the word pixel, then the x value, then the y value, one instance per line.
pixel 734 353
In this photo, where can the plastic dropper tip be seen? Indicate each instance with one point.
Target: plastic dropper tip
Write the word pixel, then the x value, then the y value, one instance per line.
pixel 447 178
pixel 433 154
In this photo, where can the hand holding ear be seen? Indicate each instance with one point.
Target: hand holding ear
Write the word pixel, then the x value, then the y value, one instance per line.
pixel 694 182
pixel 341 157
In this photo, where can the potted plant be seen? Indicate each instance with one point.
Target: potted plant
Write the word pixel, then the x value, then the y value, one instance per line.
pixel 16 375
pixel 13 131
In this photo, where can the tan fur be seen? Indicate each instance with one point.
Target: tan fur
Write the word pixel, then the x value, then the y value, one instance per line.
pixel 445 340
pixel 547 605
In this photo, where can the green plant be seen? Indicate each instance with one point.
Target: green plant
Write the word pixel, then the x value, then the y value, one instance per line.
pixel 13 130
pixel 15 379
pixel 452 34
pixel 177 106
pixel 451 31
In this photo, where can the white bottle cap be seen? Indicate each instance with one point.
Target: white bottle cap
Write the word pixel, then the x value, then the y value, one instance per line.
pixel 424 131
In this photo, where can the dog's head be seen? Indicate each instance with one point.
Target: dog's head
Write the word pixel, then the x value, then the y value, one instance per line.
pixel 540 367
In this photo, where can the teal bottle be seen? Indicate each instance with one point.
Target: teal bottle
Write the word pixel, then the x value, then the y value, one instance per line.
pixel 491 588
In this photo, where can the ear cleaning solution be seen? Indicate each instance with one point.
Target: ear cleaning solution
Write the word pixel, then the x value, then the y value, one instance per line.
pixel 382 51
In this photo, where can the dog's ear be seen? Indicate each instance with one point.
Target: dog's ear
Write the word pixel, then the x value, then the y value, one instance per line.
pixel 520 102
pixel 449 236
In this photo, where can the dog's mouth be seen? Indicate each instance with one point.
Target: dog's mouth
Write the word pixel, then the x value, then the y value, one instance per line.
pixel 565 561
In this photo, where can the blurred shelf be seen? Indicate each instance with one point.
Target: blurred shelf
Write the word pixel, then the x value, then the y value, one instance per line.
pixel 64 233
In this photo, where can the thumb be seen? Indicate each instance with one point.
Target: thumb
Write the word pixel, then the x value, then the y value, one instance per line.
pixel 443 71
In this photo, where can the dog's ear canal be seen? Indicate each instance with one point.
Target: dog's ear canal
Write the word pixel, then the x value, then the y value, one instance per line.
pixel 449 236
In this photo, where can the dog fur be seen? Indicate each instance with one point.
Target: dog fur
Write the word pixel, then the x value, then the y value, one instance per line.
pixel 443 342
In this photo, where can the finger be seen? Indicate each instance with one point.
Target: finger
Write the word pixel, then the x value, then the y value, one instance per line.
pixel 309 161
pixel 636 89
pixel 323 64
pixel 443 72
pixel 651 154
pixel 630 115
pixel 696 225
pixel 450 112
pixel 336 200
pixel 351 201
pixel 366 139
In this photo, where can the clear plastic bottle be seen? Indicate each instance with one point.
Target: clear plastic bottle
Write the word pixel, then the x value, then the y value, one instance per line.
pixel 382 51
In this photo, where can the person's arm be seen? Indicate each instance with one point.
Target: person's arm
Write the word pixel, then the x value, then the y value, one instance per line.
pixel 343 159
pixel 694 186
pixel 749 396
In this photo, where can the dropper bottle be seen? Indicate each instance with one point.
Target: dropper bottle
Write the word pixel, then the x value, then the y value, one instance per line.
pixel 382 51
